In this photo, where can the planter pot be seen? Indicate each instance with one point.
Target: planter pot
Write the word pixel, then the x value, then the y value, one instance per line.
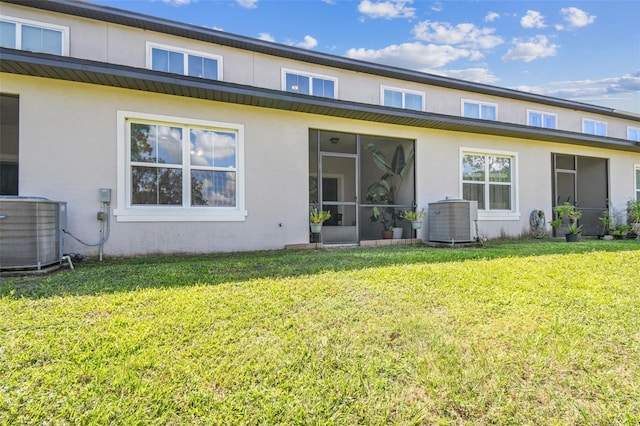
pixel 316 228
pixel 387 235
pixel 571 238
pixel 397 233
pixel 416 225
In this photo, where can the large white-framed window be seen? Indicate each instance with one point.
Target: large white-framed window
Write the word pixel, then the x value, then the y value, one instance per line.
pixel 401 98
pixel 309 83
pixel 184 61
pixel 490 178
pixel 179 169
pixel 633 133
pixel 481 110
pixel 545 120
pixel 34 36
pixel 594 127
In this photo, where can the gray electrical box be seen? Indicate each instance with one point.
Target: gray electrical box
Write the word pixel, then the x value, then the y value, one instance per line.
pixel 105 195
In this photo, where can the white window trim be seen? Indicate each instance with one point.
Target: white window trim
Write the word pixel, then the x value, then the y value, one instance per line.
pixel 185 53
pixel 124 212
pixel 629 128
pixel 403 91
pixel 543 113
pixel 38 24
pixel 472 101
pixel 514 214
pixel 283 79
pixel 606 126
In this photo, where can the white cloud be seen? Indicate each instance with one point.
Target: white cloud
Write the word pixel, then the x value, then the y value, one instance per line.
pixel 532 19
pixel 308 43
pixel 491 16
pixel 465 35
pixel 531 49
pixel 576 18
pixel 416 56
pixel 389 9
pixel 437 7
pixel 621 92
pixel 266 37
pixel 249 4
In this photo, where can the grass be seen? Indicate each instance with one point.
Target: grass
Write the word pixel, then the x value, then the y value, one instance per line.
pixel 517 332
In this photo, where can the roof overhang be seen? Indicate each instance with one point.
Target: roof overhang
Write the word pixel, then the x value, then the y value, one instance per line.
pixel 137 20
pixel 113 75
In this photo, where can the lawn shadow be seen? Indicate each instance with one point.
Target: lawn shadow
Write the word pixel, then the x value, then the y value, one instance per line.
pixel 128 274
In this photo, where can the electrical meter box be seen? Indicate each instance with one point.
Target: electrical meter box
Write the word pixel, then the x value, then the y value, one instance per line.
pixel 105 195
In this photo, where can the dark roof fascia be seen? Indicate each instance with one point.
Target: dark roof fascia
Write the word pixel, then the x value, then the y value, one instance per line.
pixel 121 76
pixel 142 21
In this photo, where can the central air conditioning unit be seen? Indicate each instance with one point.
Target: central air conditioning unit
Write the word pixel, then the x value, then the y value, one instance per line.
pixel 453 221
pixel 30 232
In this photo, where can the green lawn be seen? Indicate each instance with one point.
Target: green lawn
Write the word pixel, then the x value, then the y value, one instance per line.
pixel 516 332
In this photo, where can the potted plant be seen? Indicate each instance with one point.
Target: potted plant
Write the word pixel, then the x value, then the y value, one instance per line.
pixel 317 218
pixel 633 210
pixel 384 191
pixel 568 212
pixel 620 231
pixel 607 222
pixel 415 218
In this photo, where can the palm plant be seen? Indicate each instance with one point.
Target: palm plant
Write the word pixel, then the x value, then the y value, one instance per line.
pixel 387 187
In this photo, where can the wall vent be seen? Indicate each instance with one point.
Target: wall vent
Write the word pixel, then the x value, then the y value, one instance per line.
pixel 30 232
pixel 452 221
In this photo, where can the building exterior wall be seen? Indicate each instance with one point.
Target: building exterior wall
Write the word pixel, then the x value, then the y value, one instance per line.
pixel 68 150
pixel 69 136
pixel 101 41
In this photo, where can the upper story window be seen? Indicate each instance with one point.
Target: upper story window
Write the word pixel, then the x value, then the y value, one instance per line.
pixel 482 110
pixel 175 169
pixel 594 127
pixel 183 61
pixel 489 177
pixel 633 133
pixel 23 34
pixel 399 98
pixel 309 84
pixel 542 119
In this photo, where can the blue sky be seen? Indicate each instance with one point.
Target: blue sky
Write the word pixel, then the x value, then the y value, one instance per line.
pixel 587 51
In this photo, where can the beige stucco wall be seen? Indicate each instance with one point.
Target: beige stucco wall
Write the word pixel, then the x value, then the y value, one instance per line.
pixel 68 150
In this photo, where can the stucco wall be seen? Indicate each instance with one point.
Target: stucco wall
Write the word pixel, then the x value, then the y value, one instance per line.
pixel 68 150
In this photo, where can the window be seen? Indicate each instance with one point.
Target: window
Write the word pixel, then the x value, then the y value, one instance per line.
pixel 23 34
pixel 182 61
pixel 594 127
pixel 542 119
pixel 309 84
pixel 175 169
pixel 482 110
pixel 9 144
pixel 399 98
pixel 489 179
pixel 633 134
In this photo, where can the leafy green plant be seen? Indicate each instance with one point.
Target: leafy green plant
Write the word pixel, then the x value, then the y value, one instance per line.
pixel 567 211
pixel 607 222
pixel 319 216
pixel 633 210
pixel 385 189
pixel 574 228
pixel 414 216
